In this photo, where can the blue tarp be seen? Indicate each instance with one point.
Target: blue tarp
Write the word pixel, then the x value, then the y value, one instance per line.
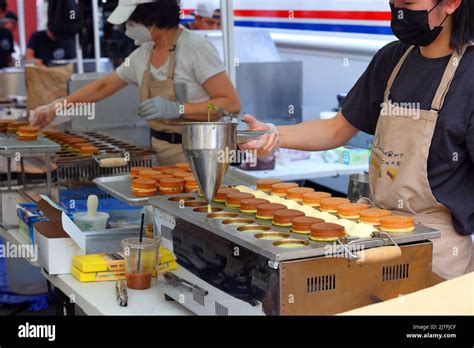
pixel 37 302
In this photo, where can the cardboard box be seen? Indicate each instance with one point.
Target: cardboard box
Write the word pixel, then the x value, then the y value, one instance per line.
pixel 58 239
pixel 166 267
pixel 97 276
pixel 85 277
pixel 28 214
pixel 106 262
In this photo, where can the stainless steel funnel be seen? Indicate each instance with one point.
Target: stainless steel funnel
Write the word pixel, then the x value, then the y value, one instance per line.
pixel 208 147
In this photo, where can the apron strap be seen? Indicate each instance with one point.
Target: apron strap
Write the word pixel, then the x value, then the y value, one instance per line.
pixel 172 63
pixel 448 77
pixel 148 61
pixel 396 71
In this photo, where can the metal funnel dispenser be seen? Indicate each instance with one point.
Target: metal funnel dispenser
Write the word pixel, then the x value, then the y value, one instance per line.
pixel 207 146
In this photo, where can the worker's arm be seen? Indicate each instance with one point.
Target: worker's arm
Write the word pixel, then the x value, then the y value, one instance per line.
pixel 317 135
pixel 222 94
pixel 218 87
pixel 97 90
pixel 314 135
pixel 92 92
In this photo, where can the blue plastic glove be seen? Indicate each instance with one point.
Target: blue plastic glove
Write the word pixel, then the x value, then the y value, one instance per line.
pixel 159 108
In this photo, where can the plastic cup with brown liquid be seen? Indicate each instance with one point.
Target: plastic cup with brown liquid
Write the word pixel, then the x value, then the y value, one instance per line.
pixel 141 260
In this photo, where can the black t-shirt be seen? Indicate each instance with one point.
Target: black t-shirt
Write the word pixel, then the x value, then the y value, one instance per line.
pixel 47 49
pixel 451 156
pixel 6 47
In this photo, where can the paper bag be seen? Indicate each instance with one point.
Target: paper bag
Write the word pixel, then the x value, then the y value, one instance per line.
pixel 45 85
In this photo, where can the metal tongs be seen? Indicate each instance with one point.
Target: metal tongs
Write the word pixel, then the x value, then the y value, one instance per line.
pixel 227 116
pixel 243 135
pixel 383 251
pixel 121 293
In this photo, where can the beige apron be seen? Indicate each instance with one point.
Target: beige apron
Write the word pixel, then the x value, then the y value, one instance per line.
pixel 167 153
pixel 399 176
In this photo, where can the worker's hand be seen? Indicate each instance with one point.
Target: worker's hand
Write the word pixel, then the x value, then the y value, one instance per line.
pixel 159 108
pixel 43 115
pixel 266 144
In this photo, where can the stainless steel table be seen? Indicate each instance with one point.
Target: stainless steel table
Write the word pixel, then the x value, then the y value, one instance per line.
pixel 10 148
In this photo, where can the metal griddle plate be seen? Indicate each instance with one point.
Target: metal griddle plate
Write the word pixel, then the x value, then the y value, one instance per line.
pixel 10 145
pixel 265 247
pixel 107 145
pixel 119 186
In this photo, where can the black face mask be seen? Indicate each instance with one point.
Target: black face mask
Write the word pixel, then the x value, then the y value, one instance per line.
pixel 412 27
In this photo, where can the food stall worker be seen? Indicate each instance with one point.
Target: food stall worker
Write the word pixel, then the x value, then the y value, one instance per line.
pixel 416 97
pixel 206 17
pixel 6 37
pixel 11 21
pixel 6 48
pixel 8 19
pixel 45 46
pixel 169 56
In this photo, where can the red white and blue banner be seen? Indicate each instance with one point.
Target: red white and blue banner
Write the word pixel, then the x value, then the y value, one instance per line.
pixel 347 16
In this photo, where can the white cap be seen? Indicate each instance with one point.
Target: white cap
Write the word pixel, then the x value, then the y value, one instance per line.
pixel 124 10
pixel 206 8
